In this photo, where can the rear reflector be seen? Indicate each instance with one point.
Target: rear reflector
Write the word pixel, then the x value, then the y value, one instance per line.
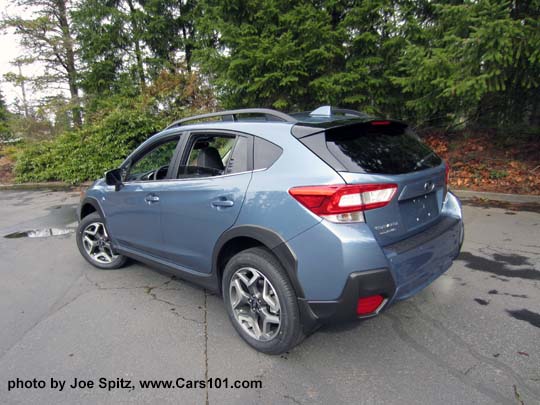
pixel 368 305
pixel 344 203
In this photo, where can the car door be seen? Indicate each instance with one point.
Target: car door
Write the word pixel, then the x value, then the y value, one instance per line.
pixel 213 175
pixel 134 211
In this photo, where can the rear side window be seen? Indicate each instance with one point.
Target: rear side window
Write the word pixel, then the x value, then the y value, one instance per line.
pixel 382 149
pixel 265 153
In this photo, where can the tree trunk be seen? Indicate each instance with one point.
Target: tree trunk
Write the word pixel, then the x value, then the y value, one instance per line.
pixel 23 90
pixel 188 49
pixel 70 62
pixel 136 35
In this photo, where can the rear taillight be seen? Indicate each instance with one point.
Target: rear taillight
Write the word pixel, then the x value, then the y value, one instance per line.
pixel 344 203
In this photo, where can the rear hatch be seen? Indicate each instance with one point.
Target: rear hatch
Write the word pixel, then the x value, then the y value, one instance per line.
pixel 386 152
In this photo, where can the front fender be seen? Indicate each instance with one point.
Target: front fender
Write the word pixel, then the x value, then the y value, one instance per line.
pixel 88 200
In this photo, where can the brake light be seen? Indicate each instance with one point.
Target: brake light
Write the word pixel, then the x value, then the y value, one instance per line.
pixel 344 203
pixel 378 123
pixel 368 305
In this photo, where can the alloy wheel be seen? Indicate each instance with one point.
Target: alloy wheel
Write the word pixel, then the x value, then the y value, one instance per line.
pixel 255 304
pixel 97 244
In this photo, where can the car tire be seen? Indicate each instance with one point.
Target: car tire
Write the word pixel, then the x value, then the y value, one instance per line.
pixel 94 243
pixel 271 298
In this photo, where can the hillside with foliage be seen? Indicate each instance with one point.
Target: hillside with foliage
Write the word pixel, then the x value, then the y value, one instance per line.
pixel 128 67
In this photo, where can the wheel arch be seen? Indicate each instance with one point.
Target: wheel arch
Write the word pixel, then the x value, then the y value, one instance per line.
pixel 88 206
pixel 243 237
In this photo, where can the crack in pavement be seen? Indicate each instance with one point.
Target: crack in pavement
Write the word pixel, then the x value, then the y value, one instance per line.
pixel 458 341
pixel 397 326
pixel 518 396
pixel 147 287
pixel 154 297
pixel 149 291
pixel 53 309
pixel 503 250
pixel 470 369
pixel 293 399
pixel 499 249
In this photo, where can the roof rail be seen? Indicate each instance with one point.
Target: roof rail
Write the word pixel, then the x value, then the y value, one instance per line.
pixel 328 111
pixel 232 115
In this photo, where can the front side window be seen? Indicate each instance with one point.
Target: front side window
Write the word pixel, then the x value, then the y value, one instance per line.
pixel 154 163
pixel 215 155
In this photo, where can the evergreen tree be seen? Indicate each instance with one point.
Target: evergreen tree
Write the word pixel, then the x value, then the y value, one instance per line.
pixel 438 62
pixel 106 49
pixel 125 44
pixel 47 38
pixel 475 60
pixel 296 55
pixel 5 132
pixel 170 33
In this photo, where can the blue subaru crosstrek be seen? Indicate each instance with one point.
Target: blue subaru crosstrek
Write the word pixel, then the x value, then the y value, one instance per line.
pixel 295 219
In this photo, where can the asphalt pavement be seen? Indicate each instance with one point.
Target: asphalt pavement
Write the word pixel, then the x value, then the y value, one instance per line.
pixel 472 337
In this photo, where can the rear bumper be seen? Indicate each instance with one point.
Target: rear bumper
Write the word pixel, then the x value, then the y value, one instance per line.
pixel 419 260
pixel 411 265
pixel 360 284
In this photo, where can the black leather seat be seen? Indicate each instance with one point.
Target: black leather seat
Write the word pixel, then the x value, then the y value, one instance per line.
pixel 209 157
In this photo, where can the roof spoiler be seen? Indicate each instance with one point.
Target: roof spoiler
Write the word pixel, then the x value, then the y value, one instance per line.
pixel 303 129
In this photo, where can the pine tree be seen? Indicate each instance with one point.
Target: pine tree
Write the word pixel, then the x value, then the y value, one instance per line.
pixel 5 132
pixel 302 54
pixel 474 60
pixel 47 38
pixel 271 53
pixel 125 44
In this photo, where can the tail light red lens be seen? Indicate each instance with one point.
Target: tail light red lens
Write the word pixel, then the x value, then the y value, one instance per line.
pixel 344 203
pixel 368 305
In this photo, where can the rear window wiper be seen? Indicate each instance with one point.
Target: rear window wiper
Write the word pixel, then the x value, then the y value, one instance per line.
pixel 420 163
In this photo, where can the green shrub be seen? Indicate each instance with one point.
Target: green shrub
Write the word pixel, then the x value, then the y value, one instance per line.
pixel 87 153
pixel 113 127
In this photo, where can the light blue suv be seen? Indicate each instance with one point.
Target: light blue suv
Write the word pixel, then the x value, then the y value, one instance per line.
pixel 296 220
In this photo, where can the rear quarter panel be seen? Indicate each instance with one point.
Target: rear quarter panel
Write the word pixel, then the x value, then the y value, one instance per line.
pixel 268 202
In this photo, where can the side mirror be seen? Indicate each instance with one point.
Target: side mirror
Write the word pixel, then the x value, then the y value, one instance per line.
pixel 114 178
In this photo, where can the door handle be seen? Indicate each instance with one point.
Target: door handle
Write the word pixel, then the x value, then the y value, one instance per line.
pixel 222 203
pixel 151 198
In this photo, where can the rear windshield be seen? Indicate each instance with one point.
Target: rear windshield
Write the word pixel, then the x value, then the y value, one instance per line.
pixel 379 149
